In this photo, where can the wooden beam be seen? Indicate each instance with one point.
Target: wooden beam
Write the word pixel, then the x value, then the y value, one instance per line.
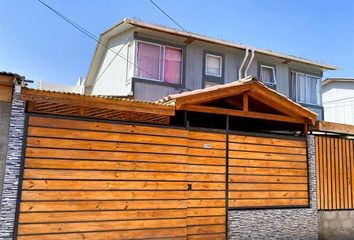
pixel 238 113
pixel 282 103
pixel 6 80
pixel 332 127
pixel 96 102
pixel 245 102
pixel 207 96
pixel 5 93
pixel 233 102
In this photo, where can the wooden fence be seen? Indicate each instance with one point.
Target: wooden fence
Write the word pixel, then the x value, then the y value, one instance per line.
pixel 335 173
pixel 100 180
pixel 267 172
pixel 97 180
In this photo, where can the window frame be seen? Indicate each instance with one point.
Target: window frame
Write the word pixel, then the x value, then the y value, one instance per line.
pixel 130 47
pixel 274 74
pixel 293 87
pixel 161 68
pixel 220 65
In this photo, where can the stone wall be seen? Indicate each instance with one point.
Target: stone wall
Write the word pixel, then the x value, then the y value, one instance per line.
pixel 5 110
pixel 336 225
pixel 12 168
pixel 300 223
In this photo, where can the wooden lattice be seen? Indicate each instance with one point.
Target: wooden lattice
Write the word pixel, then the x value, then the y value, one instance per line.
pixel 97 113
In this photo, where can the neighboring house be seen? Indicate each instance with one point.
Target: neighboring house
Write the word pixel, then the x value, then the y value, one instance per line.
pixel 155 61
pixel 338 100
pixel 77 88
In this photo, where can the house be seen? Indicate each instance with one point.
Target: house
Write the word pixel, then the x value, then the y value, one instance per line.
pixel 77 88
pixel 338 100
pixel 190 166
pixel 154 61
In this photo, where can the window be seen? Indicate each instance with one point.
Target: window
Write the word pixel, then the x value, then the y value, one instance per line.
pixel 268 75
pixel 213 65
pixel 158 62
pixel 305 88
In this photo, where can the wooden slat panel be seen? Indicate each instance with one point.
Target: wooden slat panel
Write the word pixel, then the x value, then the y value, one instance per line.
pixel 267 164
pixel 113 235
pixel 49 206
pixel 104 136
pixel 102 126
pixel 210 236
pixel 267 172
pixel 318 166
pixel 266 148
pixel 99 195
pixel 268 186
pixel 267 156
pixel 267 195
pixel 329 176
pixel 120 175
pixel 335 173
pixel 266 179
pixel 98 145
pixel 268 202
pixel 98 226
pixel 267 141
pixel 99 216
pixel 102 155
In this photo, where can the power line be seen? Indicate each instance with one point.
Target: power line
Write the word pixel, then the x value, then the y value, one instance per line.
pixel 167 15
pixel 90 35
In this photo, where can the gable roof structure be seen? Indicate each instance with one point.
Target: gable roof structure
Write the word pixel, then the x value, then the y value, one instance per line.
pixel 127 24
pixel 247 98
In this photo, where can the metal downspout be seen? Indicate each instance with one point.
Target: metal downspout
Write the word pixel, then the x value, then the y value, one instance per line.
pixel 249 63
pixel 242 64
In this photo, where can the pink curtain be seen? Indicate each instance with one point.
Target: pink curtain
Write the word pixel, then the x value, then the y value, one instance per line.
pixel 173 65
pixel 148 60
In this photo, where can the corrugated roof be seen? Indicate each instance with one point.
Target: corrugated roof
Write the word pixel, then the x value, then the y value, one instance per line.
pixel 113 98
pixel 202 37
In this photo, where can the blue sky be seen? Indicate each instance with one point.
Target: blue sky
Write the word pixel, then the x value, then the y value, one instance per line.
pixel 39 45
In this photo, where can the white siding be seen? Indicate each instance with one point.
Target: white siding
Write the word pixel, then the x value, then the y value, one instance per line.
pixel 338 102
pixel 113 80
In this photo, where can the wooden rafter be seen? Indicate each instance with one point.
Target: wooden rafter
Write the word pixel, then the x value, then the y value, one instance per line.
pixel 245 102
pixel 204 98
pixel 288 110
pixel 248 114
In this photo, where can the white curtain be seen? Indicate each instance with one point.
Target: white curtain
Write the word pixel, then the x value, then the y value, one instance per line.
pixel 307 89
pixel 213 65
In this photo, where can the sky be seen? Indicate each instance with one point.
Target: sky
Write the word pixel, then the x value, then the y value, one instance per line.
pixel 37 44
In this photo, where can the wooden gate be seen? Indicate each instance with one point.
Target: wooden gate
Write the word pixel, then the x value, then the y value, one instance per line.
pixel 334 173
pixel 95 180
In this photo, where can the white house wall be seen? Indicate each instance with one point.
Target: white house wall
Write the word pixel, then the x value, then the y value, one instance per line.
pixel 338 102
pixel 112 81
